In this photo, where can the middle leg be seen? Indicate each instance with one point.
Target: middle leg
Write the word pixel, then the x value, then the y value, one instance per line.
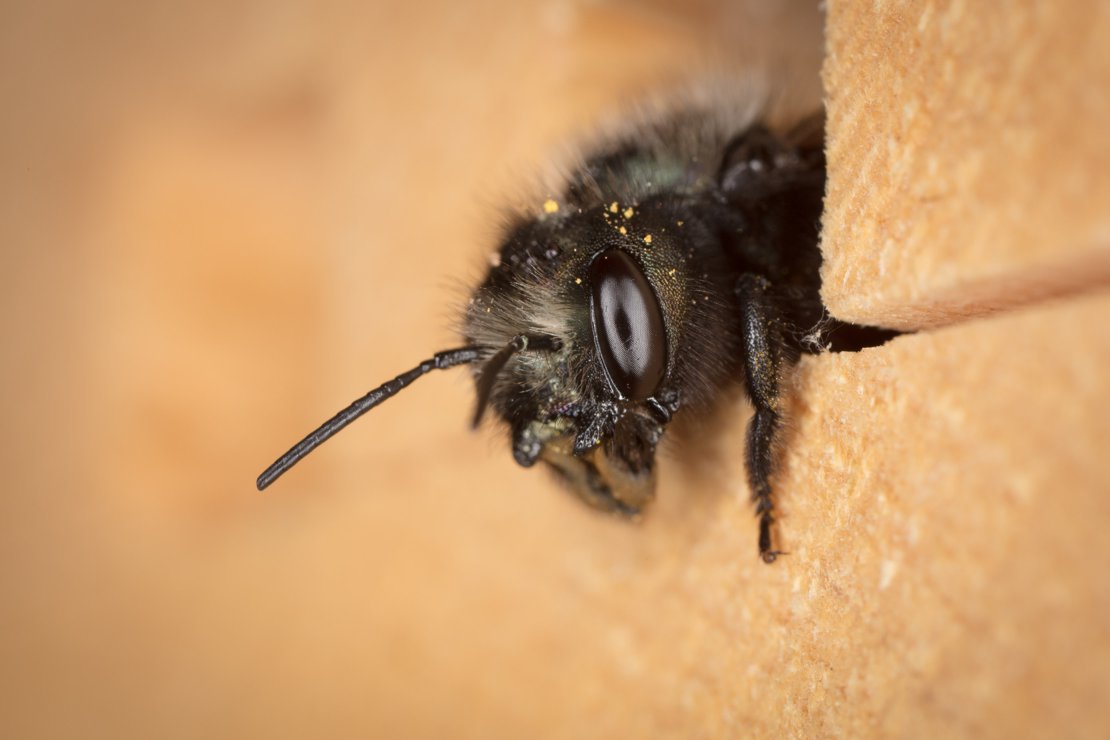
pixel 764 358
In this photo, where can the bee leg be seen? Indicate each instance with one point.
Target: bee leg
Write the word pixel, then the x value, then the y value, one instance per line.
pixel 763 361
pixel 600 496
pixel 748 158
pixel 588 485
pixel 758 164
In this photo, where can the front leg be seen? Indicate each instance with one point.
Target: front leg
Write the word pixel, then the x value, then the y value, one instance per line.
pixel 590 475
pixel 764 358
pixel 590 484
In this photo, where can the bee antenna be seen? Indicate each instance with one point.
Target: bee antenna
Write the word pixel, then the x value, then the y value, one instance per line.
pixel 441 361
pixel 495 364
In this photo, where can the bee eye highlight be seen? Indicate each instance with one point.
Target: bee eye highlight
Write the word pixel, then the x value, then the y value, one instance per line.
pixel 628 325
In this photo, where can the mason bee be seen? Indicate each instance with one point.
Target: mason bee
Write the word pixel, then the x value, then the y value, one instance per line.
pixel 679 256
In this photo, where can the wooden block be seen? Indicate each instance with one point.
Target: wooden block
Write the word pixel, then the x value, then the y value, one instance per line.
pixel 266 213
pixel 968 166
pixel 951 497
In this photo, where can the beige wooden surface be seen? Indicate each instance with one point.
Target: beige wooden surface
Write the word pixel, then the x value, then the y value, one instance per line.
pixel 220 226
pixel 970 171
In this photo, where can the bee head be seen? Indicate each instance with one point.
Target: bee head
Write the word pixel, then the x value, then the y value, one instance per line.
pixel 588 311
pixel 582 338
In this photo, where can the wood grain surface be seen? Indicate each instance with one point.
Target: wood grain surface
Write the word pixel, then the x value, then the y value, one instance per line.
pixel 221 224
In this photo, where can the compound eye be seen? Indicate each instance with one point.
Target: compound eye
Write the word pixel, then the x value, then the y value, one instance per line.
pixel 628 325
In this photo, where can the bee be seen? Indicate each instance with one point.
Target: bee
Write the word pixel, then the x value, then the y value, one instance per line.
pixel 678 257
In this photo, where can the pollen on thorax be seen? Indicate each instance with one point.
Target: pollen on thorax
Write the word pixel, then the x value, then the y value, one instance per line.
pixel 578 281
pixel 628 212
pixel 613 207
pixel 623 230
pixel 550 206
pixel 647 239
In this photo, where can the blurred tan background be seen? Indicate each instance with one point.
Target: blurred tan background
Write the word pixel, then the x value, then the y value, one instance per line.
pixel 222 223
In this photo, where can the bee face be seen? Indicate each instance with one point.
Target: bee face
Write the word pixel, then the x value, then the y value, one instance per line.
pixel 613 286
pixel 677 259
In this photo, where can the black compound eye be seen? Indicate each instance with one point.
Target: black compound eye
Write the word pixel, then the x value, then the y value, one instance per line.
pixel 628 325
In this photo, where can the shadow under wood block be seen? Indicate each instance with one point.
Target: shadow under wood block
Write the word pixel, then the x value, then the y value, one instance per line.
pixel 968 162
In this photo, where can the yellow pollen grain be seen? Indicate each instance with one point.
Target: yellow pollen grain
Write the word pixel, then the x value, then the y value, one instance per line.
pixel 680 223
pixel 623 230
pixel 613 207
pixel 628 212
pixel 647 239
pixel 671 272
pixel 550 206
pixel 578 281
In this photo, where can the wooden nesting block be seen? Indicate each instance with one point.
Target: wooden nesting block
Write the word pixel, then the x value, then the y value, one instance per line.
pixel 945 498
pixel 968 162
